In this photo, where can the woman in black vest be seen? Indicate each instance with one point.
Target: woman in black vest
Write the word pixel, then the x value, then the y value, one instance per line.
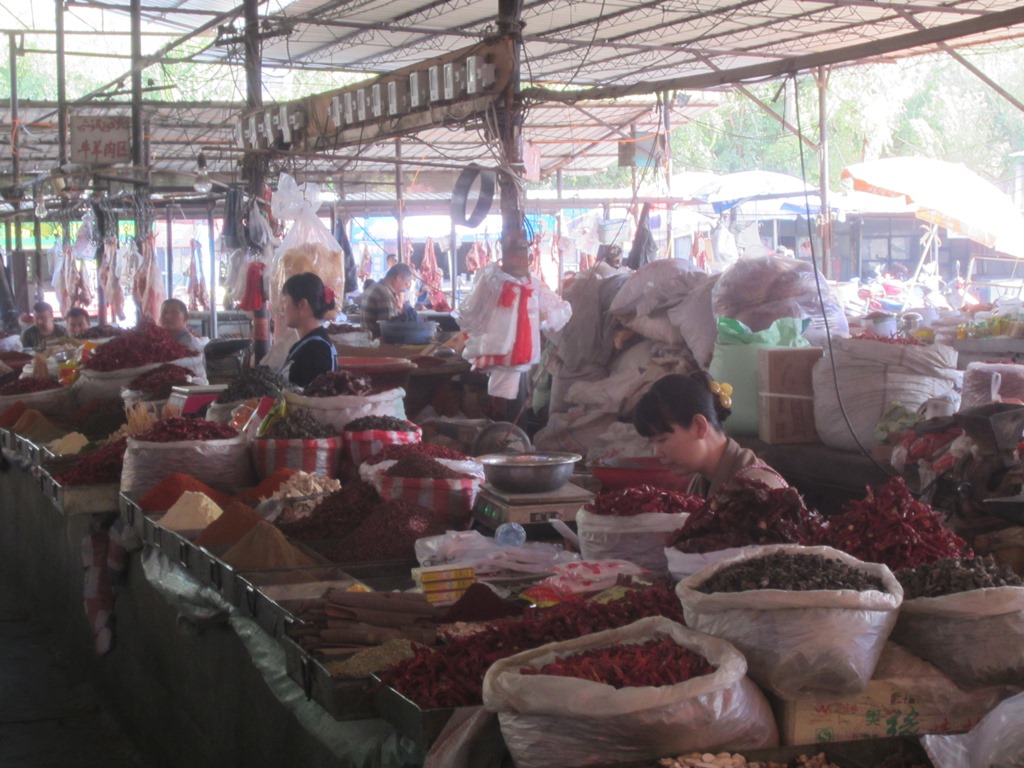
pixel 306 301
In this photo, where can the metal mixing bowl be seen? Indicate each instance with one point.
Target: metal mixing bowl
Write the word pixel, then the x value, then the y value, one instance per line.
pixel 528 472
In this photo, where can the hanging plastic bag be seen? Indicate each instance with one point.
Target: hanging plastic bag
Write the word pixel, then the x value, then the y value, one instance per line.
pixel 995 742
pixel 974 637
pixel 307 247
pixel 549 721
pixel 735 361
pixel 640 539
pixel 799 643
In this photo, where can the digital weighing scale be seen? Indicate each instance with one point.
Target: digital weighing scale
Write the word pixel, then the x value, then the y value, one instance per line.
pixel 494 507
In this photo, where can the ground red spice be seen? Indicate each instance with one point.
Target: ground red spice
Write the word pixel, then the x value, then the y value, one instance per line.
pixel 11 415
pixel 228 529
pixel 164 494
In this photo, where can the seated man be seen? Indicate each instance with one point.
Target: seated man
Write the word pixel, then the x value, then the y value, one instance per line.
pixel 44 330
pixel 174 320
pixel 386 300
pixel 78 321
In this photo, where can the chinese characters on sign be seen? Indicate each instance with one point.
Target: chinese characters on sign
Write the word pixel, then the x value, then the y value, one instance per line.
pixel 100 140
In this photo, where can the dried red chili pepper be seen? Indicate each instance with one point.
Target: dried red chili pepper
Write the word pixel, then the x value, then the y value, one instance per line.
pixel 157 383
pixel 144 345
pixel 102 466
pixel 641 499
pixel 177 428
pixel 30 385
pixel 452 675
pixel 891 527
pixel 418 465
pixel 399 452
pixel 655 663
pixel 748 512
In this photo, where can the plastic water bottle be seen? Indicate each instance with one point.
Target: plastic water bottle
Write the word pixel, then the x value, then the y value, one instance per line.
pixel 510 535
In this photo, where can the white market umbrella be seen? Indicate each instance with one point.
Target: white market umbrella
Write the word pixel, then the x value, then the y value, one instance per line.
pixel 949 195
pixel 735 189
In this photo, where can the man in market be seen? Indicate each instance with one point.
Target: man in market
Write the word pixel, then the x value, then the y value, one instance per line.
pixel 44 329
pixel 174 320
pixel 78 321
pixel 386 300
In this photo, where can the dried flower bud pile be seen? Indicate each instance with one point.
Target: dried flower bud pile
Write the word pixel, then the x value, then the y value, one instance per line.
pixel 334 383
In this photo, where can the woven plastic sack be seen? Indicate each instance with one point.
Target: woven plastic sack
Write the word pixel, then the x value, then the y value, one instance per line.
pixel 974 637
pixel 640 539
pixel 992 383
pixel 364 445
pixel 451 500
pixel 997 741
pixel 871 375
pixel 317 456
pixel 684 564
pixel 799 643
pixel 107 385
pixel 550 722
pixel 221 464
pixel 341 409
pixel 51 402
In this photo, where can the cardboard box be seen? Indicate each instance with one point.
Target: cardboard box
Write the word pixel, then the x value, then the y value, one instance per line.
pixel 786 394
pixel 906 697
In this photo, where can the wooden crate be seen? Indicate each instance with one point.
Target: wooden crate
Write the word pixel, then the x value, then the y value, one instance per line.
pixel 786 394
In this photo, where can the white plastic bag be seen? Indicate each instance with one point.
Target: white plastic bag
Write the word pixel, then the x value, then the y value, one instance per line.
pixel 221 464
pixel 798 643
pixel 640 539
pixel 974 637
pixel 684 564
pixel 996 742
pixel 341 409
pixel 107 385
pixel 550 722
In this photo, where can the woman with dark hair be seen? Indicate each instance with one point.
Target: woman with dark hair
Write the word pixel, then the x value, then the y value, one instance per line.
pixel 682 415
pixel 306 301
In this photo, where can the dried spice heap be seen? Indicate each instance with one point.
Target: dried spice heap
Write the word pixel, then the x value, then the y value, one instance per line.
pixel 177 428
pixel 389 532
pixel 902 340
pixel 748 512
pixel 99 418
pixel 418 465
pixel 951 575
pixel 102 331
pixel 166 493
pixel 29 385
pixel 399 452
pixel 267 487
pixel 156 384
pixel 299 424
pixel 335 383
pixel 337 514
pixel 641 499
pixel 655 663
pixel 11 414
pixel 891 527
pixel 102 466
pixel 452 675
pixel 380 424
pixel 265 547
pixel 791 572
pixel 235 522
pixel 144 345
pixel 260 381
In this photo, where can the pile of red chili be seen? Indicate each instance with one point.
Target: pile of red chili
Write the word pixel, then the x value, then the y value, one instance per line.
pixel 144 345
pixel 156 384
pixel 399 452
pixel 176 428
pixel 452 675
pixel 418 465
pixel 891 527
pixel 12 413
pixel 102 466
pixel 389 532
pixel 268 486
pixel 746 512
pixel 641 499
pixel 166 493
pixel 30 385
pixel 337 514
pixel 654 663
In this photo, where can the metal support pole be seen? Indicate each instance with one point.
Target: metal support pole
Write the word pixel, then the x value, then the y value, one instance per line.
pixel 453 264
pixel 213 274
pixel 12 49
pixel 400 200
pixel 62 93
pixel 826 213
pixel 169 256
pixel 37 234
pixel 515 251
pixel 254 165
pixel 666 106
pixel 559 216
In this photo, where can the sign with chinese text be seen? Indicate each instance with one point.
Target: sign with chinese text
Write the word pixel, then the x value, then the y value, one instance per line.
pixel 101 140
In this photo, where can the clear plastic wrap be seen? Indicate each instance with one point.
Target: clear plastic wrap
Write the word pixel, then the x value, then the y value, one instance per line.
pixel 550 722
pixel 996 742
pixel 640 539
pixel 799 643
pixel 974 637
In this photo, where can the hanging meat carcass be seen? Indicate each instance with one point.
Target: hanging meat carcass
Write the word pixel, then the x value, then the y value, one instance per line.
pixel 147 283
pixel 197 295
pixel 109 280
pixel 432 277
